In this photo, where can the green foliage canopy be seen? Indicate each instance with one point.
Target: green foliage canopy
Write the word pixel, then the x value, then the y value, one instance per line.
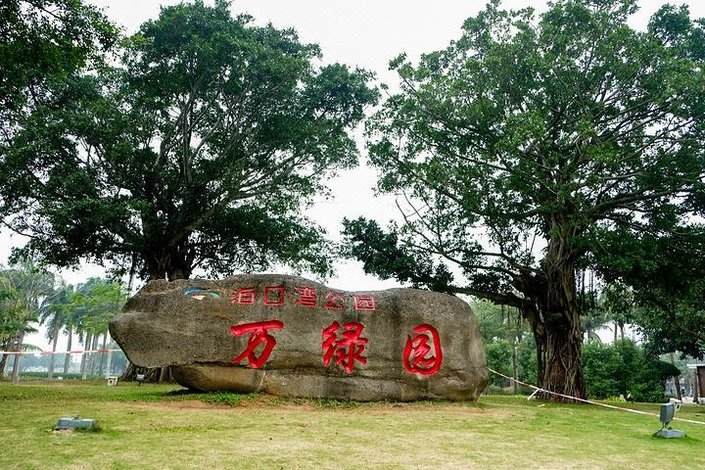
pixel 508 343
pixel 663 277
pixel 44 40
pixel 94 303
pixel 203 148
pixel 520 147
pixel 624 368
pixel 27 291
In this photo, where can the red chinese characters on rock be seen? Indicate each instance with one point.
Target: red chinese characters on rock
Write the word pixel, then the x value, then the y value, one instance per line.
pixel 274 296
pixel 348 349
pixel 259 334
pixel 422 353
pixel 365 302
pixel 419 356
pixel 243 296
pixel 334 300
pixel 305 296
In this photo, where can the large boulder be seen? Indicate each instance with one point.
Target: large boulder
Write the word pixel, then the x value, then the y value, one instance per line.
pixel 289 336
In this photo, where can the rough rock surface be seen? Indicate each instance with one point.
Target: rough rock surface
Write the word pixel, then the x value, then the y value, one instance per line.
pixel 289 336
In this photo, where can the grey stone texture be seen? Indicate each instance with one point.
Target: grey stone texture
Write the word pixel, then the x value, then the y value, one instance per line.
pixel 186 324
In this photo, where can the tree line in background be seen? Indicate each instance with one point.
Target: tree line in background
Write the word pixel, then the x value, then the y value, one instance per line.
pixel 621 368
pixel 30 295
pixel 532 150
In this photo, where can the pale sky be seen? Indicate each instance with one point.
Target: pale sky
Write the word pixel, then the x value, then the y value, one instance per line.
pixel 362 33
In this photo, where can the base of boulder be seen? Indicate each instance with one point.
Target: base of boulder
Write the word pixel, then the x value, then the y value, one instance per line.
pixel 218 377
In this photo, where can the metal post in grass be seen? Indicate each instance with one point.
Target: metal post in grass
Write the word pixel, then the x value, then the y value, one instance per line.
pixel 667 414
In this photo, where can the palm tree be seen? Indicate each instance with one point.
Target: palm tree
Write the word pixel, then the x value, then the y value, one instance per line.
pixel 499 323
pixel 613 304
pixel 13 322
pixel 619 306
pixel 591 321
pixel 95 303
pixel 72 319
pixel 31 288
pixel 56 316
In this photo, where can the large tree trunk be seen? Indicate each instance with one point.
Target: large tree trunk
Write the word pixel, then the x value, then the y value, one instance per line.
pixel 551 311
pixel 515 370
pixel 16 368
pixel 170 261
pixel 562 371
pixel 6 346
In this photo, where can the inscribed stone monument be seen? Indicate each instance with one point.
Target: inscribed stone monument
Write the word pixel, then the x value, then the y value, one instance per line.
pixel 289 336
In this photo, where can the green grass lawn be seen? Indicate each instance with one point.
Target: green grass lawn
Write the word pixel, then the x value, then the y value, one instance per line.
pixel 157 426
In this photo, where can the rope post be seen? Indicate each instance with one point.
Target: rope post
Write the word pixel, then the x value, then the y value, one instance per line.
pixel 582 400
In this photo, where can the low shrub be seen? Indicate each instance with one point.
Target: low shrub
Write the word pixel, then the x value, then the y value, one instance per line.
pixel 623 368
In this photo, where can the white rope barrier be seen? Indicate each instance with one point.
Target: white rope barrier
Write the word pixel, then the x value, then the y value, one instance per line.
pixel 582 400
pixel 533 387
pixel 45 353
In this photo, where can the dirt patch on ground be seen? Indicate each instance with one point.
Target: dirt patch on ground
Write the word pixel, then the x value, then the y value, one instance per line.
pixel 178 405
pixel 270 402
